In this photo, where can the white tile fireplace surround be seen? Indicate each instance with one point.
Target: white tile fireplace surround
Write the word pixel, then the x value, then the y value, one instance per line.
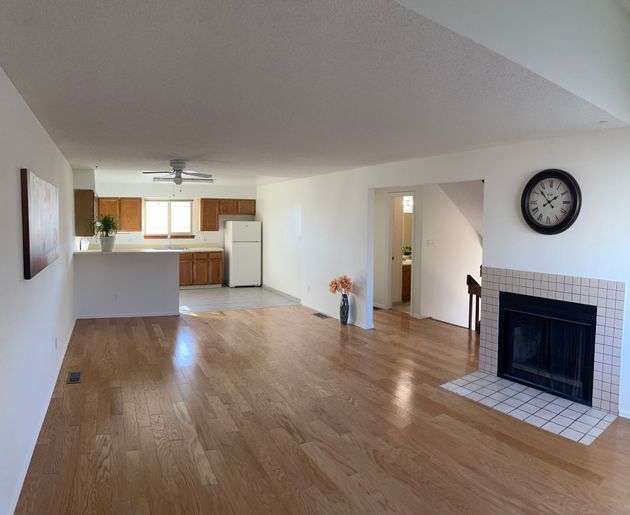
pixel 607 296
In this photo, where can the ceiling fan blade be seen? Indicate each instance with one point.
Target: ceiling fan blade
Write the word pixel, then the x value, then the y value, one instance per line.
pixel 170 179
pixel 165 171
pixel 196 174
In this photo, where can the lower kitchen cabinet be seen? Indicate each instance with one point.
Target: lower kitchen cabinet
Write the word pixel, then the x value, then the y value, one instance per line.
pixel 186 269
pixel 215 267
pixel 201 268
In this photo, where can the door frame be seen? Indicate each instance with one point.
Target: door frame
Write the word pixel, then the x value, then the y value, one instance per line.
pixel 390 241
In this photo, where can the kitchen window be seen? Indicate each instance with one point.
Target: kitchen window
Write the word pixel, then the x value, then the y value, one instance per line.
pixel 168 218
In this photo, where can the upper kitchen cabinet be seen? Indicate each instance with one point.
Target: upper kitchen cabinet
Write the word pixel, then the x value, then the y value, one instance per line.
pixel 128 212
pixel 209 214
pixel 229 206
pixel 108 206
pixel 84 212
pixel 211 209
pixel 247 207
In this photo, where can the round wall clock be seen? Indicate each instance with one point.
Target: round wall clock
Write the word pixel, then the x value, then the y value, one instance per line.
pixel 551 201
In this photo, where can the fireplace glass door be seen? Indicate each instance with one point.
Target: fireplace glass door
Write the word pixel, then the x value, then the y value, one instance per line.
pixel 550 349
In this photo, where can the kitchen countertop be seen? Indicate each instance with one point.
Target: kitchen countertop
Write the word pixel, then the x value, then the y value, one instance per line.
pixel 127 251
pixel 150 251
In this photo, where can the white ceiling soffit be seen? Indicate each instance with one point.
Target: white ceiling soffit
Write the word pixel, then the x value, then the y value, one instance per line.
pixel 277 88
pixel 581 45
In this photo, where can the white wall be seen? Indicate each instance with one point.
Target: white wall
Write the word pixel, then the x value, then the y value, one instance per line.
pixel 450 250
pixel 125 284
pixel 336 213
pixel 282 237
pixel 32 313
pixel 581 45
pixel 149 189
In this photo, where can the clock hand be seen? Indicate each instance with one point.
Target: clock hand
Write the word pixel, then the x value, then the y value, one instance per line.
pixel 549 201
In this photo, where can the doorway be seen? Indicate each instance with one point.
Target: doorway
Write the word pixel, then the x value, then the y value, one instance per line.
pixel 394 251
pixel 426 243
pixel 402 252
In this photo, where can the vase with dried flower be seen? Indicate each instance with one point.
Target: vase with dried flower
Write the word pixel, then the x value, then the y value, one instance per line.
pixel 344 286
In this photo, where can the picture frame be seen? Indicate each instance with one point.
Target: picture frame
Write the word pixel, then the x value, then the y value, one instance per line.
pixel 40 223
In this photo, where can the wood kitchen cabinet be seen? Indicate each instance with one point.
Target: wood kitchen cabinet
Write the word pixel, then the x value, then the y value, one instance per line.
pixel 209 214
pixel 130 210
pixel 246 207
pixel 127 210
pixel 186 269
pixel 229 207
pixel 211 209
pixel 406 283
pixel 215 267
pixel 108 206
pixel 84 212
pixel 201 268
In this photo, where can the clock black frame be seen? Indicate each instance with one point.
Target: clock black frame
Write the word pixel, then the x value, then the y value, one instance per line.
pixel 574 188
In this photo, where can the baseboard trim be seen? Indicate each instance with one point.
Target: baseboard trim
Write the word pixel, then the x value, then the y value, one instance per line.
pixel 281 293
pixel 128 315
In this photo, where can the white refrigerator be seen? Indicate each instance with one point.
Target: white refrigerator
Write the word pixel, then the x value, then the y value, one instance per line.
pixel 243 257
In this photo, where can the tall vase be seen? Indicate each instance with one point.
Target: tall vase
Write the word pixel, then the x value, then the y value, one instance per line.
pixel 344 309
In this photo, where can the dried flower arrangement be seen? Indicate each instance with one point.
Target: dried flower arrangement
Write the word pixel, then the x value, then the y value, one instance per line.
pixel 342 284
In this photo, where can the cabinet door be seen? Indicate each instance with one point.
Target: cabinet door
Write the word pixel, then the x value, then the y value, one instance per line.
pixel 229 207
pixel 406 283
pixel 130 214
pixel 246 207
pixel 84 212
pixel 209 215
pixel 200 272
pixel 109 206
pixel 185 270
pixel 216 268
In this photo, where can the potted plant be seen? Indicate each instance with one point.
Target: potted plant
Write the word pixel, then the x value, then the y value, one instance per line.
pixel 106 227
pixel 344 286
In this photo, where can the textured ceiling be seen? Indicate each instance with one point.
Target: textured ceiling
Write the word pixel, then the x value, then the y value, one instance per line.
pixel 267 87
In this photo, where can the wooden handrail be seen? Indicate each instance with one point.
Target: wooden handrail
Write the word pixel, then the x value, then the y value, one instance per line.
pixel 474 289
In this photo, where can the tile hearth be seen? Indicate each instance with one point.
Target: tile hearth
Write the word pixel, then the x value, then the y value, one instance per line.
pixel 560 416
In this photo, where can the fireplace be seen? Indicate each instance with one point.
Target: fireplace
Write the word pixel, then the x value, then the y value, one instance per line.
pixel 547 344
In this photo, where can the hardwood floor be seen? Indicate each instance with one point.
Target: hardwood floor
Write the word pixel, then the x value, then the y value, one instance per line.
pixel 277 411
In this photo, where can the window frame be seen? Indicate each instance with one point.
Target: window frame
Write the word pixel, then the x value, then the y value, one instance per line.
pixel 170 234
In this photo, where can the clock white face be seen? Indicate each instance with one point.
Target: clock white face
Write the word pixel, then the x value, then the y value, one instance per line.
pixel 550 202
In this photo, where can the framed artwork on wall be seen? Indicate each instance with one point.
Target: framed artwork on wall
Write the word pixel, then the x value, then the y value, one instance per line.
pixel 40 223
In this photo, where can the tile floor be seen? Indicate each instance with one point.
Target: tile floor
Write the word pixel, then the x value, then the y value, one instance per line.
pixel 560 416
pixel 204 300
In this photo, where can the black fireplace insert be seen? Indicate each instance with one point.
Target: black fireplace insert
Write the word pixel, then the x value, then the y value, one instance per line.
pixel 547 344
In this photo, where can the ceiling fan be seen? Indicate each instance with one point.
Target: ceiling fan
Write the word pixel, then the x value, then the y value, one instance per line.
pixel 179 175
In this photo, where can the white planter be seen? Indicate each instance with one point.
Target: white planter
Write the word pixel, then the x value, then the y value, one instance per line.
pixel 107 243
